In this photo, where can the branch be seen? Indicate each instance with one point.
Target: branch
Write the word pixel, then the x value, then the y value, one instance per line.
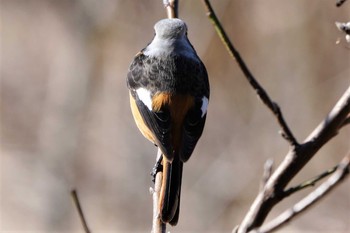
pixel 299 154
pixel 171 7
pixel 275 109
pixel 157 225
pixel 342 170
pixel 294 161
pixel 75 197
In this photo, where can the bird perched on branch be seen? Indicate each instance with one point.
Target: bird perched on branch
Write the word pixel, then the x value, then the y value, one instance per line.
pixel 169 96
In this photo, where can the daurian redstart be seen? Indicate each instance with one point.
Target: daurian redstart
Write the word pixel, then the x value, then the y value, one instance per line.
pixel 169 96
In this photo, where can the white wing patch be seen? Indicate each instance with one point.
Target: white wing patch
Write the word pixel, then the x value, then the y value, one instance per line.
pixel 204 107
pixel 145 96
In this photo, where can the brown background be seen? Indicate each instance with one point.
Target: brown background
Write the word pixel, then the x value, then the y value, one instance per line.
pixel 65 119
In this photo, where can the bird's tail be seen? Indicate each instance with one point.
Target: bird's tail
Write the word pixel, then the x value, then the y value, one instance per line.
pixel 169 201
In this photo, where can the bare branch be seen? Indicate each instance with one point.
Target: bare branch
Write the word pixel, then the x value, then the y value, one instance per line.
pixel 76 201
pixel 294 161
pixel 286 132
pixel 299 154
pixel 171 8
pixel 341 172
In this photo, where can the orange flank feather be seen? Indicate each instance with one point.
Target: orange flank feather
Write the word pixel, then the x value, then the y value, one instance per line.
pixel 146 132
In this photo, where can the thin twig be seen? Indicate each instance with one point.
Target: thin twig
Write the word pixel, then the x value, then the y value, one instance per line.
pixel 286 132
pixel 310 182
pixel 341 172
pixel 171 8
pixel 76 201
pixel 340 2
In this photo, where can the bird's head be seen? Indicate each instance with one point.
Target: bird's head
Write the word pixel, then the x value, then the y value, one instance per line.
pixel 170 38
pixel 170 29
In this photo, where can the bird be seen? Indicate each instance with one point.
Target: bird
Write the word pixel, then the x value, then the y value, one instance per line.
pixel 169 96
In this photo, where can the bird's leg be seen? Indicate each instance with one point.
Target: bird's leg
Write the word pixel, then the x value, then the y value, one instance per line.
pixel 158 167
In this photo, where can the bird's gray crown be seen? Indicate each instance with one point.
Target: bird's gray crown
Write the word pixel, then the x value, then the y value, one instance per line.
pixel 170 38
pixel 170 28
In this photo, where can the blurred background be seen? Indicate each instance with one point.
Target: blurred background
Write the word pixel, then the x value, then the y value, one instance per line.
pixel 66 122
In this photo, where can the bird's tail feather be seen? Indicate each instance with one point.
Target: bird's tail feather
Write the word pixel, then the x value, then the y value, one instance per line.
pixel 169 201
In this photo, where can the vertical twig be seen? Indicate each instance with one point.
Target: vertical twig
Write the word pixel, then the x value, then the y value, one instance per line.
pixel 171 7
pixel 157 225
pixel 75 197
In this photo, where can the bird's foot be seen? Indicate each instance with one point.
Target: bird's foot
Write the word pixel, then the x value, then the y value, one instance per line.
pixel 158 167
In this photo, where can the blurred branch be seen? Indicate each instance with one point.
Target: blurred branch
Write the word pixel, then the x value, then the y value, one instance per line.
pixel 76 201
pixel 171 7
pixel 341 171
pixel 286 132
pixel 340 2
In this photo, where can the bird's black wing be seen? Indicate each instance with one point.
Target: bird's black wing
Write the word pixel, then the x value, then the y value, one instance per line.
pixel 143 74
pixel 195 119
pixel 192 131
